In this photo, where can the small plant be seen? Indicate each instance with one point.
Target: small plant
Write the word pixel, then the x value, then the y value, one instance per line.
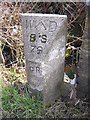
pixel 16 105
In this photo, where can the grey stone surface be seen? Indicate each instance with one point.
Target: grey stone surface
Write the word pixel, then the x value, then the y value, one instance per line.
pixel 45 38
pixel 83 66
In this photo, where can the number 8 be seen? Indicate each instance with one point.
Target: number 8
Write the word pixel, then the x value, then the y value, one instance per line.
pixel 32 37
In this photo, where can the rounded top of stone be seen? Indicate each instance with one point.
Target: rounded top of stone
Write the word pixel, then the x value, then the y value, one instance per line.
pixel 43 15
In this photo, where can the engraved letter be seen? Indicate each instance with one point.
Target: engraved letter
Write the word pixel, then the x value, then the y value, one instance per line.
pixel 33 47
pixel 28 24
pixel 52 26
pixel 37 69
pixel 31 68
pixel 38 26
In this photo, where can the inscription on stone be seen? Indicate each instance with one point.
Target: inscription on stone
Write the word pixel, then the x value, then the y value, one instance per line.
pixel 44 40
pixel 34 48
pixel 34 68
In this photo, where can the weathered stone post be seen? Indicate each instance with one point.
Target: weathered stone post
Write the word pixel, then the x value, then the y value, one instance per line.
pixel 44 39
pixel 83 67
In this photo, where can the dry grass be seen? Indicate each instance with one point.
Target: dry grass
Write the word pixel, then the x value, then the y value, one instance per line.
pixel 11 31
pixel 11 35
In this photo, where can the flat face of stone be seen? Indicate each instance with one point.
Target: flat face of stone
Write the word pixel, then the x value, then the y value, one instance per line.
pixel 44 38
pixel 40 31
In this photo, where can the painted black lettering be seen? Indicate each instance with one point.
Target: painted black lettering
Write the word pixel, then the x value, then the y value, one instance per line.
pixel 39 50
pixel 32 38
pixel 44 38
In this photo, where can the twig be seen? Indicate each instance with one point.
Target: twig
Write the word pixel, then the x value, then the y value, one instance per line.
pixel 76 17
pixel 74 37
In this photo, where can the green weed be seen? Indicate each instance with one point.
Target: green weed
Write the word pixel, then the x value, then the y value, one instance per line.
pixel 19 106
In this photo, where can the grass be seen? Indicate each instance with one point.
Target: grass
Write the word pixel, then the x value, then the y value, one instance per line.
pixel 16 105
pixel 16 102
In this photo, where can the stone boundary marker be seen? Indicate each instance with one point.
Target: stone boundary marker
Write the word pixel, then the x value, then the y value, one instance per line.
pixel 44 37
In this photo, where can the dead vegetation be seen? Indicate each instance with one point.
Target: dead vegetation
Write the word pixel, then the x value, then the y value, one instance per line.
pixel 68 110
pixel 11 32
pixel 11 37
